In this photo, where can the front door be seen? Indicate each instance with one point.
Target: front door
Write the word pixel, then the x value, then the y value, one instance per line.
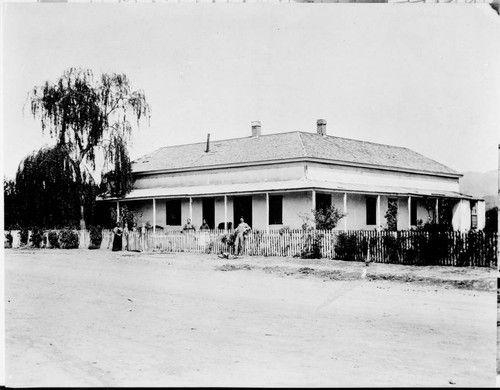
pixel 242 207
pixel 209 211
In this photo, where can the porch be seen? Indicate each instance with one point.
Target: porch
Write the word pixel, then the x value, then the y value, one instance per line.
pixel 284 204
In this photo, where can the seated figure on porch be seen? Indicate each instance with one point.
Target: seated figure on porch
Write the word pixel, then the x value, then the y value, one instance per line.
pixel 204 225
pixel 241 232
pixel 189 225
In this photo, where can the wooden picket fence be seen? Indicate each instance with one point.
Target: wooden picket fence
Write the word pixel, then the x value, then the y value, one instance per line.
pixel 402 247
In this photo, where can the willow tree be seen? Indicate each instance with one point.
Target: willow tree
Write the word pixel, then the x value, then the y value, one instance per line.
pixel 92 119
pixel 46 194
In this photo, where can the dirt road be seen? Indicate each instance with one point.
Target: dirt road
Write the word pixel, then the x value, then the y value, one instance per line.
pixel 96 318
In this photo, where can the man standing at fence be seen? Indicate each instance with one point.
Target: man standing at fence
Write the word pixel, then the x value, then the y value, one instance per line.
pixel 241 232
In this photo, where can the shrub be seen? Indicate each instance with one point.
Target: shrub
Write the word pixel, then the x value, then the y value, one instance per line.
pixel 54 239
pixel 36 237
pixel 23 236
pixel 353 248
pixel 391 215
pixel 8 240
pixel 328 218
pixel 311 247
pixel 284 230
pixel 69 239
pixel 228 239
pixel 95 237
pixel 393 247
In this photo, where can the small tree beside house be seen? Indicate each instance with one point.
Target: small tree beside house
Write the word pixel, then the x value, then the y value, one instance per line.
pixel 324 219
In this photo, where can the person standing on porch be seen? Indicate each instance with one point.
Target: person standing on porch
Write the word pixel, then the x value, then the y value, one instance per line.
pixel 241 232
pixel 204 225
pixel 189 225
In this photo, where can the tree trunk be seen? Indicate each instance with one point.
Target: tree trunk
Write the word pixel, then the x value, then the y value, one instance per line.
pixel 82 195
pixel 82 214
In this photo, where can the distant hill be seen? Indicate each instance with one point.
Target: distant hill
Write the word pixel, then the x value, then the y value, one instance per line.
pixel 481 184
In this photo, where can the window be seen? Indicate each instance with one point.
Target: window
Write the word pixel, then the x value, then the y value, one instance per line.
pixel 371 211
pixel 275 209
pixel 413 212
pixel 323 201
pixel 173 212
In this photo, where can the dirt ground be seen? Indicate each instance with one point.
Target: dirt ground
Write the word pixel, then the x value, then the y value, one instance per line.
pixel 97 318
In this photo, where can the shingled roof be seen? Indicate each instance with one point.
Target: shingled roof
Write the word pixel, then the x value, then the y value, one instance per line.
pixel 286 146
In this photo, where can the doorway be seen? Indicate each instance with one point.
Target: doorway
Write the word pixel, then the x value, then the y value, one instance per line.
pixel 208 211
pixel 242 207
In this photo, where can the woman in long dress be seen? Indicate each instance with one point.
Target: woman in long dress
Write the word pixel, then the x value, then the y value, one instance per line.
pixel 117 239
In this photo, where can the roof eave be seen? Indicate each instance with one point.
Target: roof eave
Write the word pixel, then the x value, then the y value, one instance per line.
pixel 300 159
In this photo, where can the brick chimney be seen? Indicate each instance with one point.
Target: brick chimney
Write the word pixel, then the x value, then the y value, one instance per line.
pixel 256 129
pixel 321 127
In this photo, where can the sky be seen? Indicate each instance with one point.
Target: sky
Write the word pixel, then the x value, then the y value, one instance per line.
pixel 420 76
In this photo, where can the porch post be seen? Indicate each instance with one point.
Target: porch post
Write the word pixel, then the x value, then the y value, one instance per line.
pixel 313 207
pixel 267 212
pixel 437 210
pixel 409 212
pixel 117 211
pixel 378 212
pixel 154 215
pixel 225 212
pixel 345 211
pixel 191 209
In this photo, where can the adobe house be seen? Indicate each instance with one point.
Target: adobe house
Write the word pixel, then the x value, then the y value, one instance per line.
pixel 271 180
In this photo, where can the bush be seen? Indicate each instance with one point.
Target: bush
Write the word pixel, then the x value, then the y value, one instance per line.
pixel 350 247
pixel 311 247
pixel 228 239
pixel 54 239
pixel 95 237
pixel 328 218
pixel 69 239
pixel 23 236
pixel 36 237
pixel 8 240
pixel 284 230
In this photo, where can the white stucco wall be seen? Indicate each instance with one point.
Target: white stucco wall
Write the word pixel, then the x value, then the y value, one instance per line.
pixel 219 209
pixel 403 213
pixel 259 211
pixel 461 219
pixel 197 212
pixel 276 172
pixel 141 206
pixel 481 214
pixel 294 205
pixel 378 177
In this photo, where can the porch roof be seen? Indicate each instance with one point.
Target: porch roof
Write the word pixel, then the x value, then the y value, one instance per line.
pixel 280 186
